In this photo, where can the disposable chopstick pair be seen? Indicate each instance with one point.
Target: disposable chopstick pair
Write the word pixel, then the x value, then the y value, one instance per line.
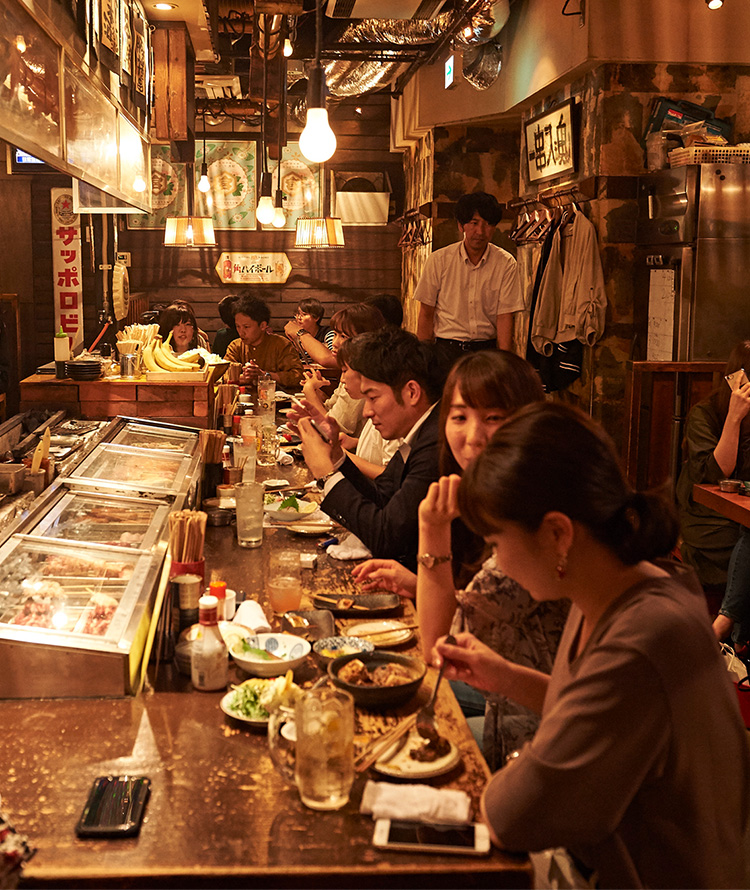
pixel 334 601
pixel 390 631
pixel 376 749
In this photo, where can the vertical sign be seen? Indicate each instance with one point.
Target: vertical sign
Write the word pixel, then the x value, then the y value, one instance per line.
pixel 67 267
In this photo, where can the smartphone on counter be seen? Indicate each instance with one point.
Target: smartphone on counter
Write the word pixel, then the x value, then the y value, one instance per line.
pixel 467 840
pixel 114 807
pixel 736 379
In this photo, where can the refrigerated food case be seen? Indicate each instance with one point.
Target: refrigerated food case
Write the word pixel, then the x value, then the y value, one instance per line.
pixel 80 572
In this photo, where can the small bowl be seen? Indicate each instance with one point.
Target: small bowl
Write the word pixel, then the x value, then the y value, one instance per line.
pixel 379 697
pixel 334 647
pixel 292 651
pixel 731 485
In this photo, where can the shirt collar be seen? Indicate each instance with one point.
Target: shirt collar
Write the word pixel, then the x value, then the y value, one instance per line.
pixel 465 256
pixel 405 446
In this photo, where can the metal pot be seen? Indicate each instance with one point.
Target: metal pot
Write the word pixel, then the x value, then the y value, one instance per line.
pixel 130 365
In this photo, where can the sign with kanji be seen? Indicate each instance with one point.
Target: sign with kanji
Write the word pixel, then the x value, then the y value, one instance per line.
pixel 253 268
pixel 67 266
pixel 551 143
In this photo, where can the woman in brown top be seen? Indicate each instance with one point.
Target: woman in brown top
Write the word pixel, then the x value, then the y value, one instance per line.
pixel 640 766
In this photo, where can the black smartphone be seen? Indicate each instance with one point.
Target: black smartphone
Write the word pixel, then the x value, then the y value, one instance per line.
pixel 114 807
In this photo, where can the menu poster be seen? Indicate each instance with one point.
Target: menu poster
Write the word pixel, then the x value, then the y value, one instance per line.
pixel 93 14
pixel 126 43
pixel 109 40
pixel 67 267
pixel 140 80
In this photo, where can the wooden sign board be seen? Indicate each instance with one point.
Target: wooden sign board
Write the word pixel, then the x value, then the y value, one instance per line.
pixel 551 140
pixel 253 268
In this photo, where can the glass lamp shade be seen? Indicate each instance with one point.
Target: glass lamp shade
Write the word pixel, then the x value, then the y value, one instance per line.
pixel 317 141
pixel 319 232
pixel 189 231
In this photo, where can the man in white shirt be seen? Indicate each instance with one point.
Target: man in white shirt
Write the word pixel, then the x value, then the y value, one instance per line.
pixel 401 385
pixel 469 291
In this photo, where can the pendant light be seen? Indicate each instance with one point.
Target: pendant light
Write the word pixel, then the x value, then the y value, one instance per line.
pixel 279 217
pixel 317 142
pixel 265 210
pixel 190 230
pixel 203 183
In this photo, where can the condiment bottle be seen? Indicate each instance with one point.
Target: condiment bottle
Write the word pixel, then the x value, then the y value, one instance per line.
pixel 62 352
pixel 219 590
pixel 209 658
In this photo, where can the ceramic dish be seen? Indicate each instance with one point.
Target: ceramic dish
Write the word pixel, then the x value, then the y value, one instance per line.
pixel 398 763
pixel 225 703
pixel 329 648
pixel 272 484
pixel 379 697
pixel 394 633
pixel 290 652
pixel 362 604
pixel 289 514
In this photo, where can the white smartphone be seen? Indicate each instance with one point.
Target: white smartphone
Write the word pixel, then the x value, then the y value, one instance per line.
pixel 420 837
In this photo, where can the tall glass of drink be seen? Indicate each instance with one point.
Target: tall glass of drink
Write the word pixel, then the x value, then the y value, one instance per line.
pixel 284 585
pixel 249 499
pixel 268 445
pixel 324 764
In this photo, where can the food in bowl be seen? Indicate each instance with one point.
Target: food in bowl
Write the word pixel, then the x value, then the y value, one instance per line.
pixel 333 647
pixel 269 654
pixel 358 674
pixel 288 509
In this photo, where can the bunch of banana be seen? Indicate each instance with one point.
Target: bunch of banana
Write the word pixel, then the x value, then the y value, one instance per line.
pixel 157 356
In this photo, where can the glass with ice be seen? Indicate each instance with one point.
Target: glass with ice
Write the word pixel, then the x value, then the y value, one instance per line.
pixel 324 760
pixel 249 499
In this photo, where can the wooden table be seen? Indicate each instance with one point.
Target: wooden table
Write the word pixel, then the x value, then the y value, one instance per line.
pixel 734 506
pixel 219 813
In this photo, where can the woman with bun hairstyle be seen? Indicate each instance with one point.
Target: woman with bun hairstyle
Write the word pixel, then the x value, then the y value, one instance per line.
pixel 640 766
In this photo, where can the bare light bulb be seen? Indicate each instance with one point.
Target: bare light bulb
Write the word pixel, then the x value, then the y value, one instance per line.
pixel 203 183
pixel 317 142
pixel 288 48
pixel 714 4
pixel 139 184
pixel 279 218
pixel 265 210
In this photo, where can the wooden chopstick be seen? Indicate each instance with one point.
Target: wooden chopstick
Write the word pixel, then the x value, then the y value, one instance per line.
pixel 330 599
pixel 390 630
pixel 375 750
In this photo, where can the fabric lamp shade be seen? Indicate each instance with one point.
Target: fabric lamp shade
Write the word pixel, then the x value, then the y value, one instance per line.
pixel 319 232
pixel 189 231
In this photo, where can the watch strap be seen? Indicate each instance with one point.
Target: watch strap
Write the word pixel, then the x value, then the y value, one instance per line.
pixel 429 560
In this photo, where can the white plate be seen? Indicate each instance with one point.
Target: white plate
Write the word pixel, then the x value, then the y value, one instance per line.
pixel 401 766
pixel 288 515
pixel 224 705
pixel 311 528
pixel 400 634
pixel 276 483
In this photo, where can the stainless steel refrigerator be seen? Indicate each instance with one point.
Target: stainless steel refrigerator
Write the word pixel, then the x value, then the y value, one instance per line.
pixel 692 299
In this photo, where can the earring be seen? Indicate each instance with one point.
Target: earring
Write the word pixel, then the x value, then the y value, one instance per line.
pixel 562 566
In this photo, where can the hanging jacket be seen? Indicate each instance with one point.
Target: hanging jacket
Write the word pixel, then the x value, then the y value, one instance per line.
pixel 572 300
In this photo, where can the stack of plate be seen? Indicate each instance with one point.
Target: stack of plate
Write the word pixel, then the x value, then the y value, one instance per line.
pixel 86 369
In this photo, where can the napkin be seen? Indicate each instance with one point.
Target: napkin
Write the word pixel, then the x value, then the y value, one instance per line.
pixel 415 803
pixel 250 614
pixel 284 459
pixel 350 547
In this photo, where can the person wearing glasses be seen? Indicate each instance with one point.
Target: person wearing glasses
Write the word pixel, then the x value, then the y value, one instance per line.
pixel 308 333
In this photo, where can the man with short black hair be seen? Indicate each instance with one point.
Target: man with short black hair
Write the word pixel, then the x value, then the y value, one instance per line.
pixel 401 385
pixel 258 350
pixel 469 291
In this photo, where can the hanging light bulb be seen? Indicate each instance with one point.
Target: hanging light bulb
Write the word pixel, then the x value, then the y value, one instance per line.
pixel 714 4
pixel 317 141
pixel 139 184
pixel 288 48
pixel 265 209
pixel 279 217
pixel 204 184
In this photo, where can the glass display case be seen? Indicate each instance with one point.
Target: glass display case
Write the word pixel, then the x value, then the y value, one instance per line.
pixel 80 572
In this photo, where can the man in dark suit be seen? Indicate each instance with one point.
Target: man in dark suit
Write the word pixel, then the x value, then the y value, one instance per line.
pixel 401 383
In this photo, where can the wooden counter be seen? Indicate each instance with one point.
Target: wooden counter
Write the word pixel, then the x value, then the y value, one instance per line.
pixel 219 813
pixel 190 403
pixel 734 506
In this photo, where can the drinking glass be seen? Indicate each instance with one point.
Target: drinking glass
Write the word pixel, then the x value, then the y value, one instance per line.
pixel 324 757
pixel 268 445
pixel 284 586
pixel 249 499
pixel 267 397
pixel 244 455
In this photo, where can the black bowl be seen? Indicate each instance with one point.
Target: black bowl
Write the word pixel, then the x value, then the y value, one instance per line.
pixel 379 697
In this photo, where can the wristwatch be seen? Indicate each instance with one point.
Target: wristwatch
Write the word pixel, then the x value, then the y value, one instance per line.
pixel 429 561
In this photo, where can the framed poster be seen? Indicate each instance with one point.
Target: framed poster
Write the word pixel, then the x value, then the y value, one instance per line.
pixel 551 141
pixel 168 196
pixel 231 172
pixel 301 184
